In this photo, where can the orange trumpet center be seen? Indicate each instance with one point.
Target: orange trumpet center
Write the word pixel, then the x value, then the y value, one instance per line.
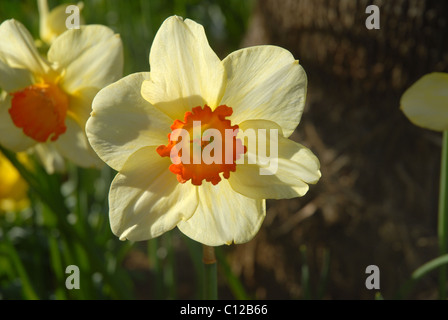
pixel 211 146
pixel 40 110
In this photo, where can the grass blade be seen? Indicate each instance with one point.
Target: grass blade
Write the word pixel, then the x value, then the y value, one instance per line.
pixel 443 217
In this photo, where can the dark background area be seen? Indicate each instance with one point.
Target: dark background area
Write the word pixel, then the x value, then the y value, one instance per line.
pixel 376 203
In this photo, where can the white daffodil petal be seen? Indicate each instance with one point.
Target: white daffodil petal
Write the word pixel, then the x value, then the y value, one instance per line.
pixel 17 48
pixel 145 198
pixel 284 174
pixel 426 102
pixel 73 145
pixel 53 23
pixel 13 79
pixel 50 158
pixel 11 136
pixel 224 216
pixel 185 72
pixel 265 82
pixel 123 122
pixel 92 56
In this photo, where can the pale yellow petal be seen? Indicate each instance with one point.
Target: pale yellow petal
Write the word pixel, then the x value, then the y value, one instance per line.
pixel 425 103
pixel 74 146
pixel 44 11
pixel 49 157
pixel 145 198
pixel 224 216
pixel 267 83
pixel 284 171
pixel 185 72
pixel 17 49
pixel 80 104
pixel 12 137
pixel 123 122
pixel 14 79
pixel 53 23
pixel 91 56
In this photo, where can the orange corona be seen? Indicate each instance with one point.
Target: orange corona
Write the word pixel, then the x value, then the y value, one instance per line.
pixel 40 110
pixel 195 170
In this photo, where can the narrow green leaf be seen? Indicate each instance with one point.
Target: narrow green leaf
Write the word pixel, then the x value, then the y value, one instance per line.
pixel 443 217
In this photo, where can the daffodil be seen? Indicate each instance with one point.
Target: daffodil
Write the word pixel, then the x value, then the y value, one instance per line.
pixel 425 103
pixel 48 99
pixel 53 23
pixel 13 189
pixel 135 123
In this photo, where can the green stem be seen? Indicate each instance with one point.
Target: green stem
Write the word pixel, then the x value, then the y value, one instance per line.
pixel 57 265
pixel 443 216
pixel 210 273
pixel 305 274
pixel 27 287
pixel 324 275
pixel 48 190
pixel 153 245
pixel 195 250
pixel 169 277
pixel 234 283
pixel 421 272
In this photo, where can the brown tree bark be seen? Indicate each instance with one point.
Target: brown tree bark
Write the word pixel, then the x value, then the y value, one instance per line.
pixel 376 203
pixel 330 36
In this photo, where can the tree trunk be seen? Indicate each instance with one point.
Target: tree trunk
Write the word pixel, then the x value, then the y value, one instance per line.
pixel 331 37
pixel 376 203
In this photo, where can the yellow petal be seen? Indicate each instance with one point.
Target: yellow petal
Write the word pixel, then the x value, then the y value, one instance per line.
pixel 224 216
pixel 91 56
pixel 13 189
pixel 282 176
pixel 265 82
pixel 17 48
pixel 80 104
pixel 145 198
pixel 123 122
pixel 425 103
pixel 12 137
pixel 185 72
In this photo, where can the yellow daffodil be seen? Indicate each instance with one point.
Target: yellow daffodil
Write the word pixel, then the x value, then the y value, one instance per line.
pixel 53 23
pixel 190 89
pixel 48 100
pixel 13 189
pixel 425 103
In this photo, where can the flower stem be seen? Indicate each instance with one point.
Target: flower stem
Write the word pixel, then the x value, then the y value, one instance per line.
pixel 443 217
pixel 210 273
pixel 421 272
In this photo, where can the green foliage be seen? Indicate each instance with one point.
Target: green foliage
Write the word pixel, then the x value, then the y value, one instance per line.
pixel 68 223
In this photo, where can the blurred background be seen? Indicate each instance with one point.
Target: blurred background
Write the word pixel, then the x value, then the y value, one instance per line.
pixel 376 203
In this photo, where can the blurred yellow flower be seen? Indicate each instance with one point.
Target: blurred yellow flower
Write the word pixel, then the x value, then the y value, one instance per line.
pixel 53 23
pixel 258 88
pixel 13 189
pixel 425 103
pixel 48 100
